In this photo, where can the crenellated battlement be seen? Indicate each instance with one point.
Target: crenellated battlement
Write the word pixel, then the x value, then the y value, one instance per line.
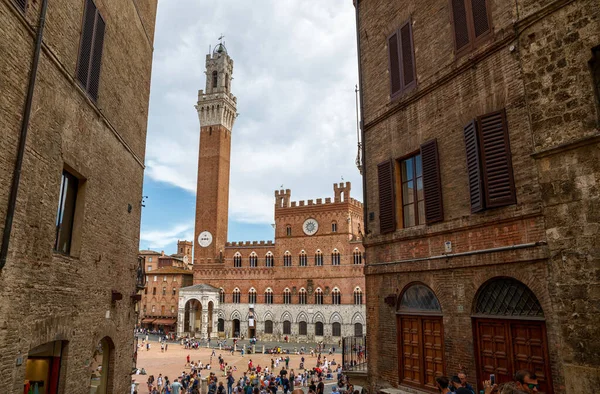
pixel 248 243
pixel 341 195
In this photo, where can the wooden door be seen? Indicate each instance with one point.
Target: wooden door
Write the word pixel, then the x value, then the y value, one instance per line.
pixel 494 349
pixel 410 349
pixel 530 351
pixel 433 350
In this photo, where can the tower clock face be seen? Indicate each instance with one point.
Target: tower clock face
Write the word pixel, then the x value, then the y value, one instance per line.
pixel 205 239
pixel 310 226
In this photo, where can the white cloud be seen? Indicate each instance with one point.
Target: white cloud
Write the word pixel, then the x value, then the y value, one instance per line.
pixel 157 239
pixel 294 74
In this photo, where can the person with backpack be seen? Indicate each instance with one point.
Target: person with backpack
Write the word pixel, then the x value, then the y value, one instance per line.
pixel 230 382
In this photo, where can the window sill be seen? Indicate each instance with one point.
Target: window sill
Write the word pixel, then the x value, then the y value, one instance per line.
pixel 64 256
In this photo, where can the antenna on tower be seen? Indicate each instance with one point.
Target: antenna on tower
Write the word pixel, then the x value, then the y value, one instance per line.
pixel 359 161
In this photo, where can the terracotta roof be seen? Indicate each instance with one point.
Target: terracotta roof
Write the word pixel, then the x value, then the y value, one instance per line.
pixel 148 252
pixel 170 270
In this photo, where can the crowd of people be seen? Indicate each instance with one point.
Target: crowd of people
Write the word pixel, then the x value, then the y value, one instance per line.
pixel 524 382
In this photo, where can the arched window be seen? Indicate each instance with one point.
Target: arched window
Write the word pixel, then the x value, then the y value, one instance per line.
pixel 153 308
pixel 253 260
pixel 287 259
pixel 319 297
pixel 336 297
pixel 268 326
pixel 336 329
pixel 237 260
pixel 268 296
pixel 287 296
pixel 357 257
pixel 302 328
pixel 318 258
pixel 252 296
pixel 358 330
pixel 319 329
pixel 510 311
pixel 302 259
pixel 227 82
pixel 288 230
pixel 103 362
pixel 221 295
pixel 221 325
pixel 269 259
pixel 302 296
pixel 236 296
pixel 358 296
pixel 335 257
pixel 334 227
pixel 287 327
pixel 215 79
pixel 419 321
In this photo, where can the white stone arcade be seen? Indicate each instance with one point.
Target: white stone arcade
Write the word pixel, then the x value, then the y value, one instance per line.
pixel 198 311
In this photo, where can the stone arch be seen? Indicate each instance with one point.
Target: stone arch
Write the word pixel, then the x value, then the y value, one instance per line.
pixel 267 316
pixel 504 296
pixel 318 317
pixel 302 316
pixel 221 314
pixel 336 318
pixel 286 316
pixel 52 329
pixel 236 315
pixel 418 296
pixel 358 318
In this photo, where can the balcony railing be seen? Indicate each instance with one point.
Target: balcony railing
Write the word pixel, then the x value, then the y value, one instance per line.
pixel 354 353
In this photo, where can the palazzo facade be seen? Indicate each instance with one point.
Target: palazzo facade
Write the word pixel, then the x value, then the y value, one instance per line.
pixel 307 285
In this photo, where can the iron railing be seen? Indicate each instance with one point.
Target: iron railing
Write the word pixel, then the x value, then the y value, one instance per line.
pixel 354 353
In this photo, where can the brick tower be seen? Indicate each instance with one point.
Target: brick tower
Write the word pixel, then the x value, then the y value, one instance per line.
pixel 217 112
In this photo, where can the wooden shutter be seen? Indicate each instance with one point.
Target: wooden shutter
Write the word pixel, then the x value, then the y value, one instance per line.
pixel 85 49
pixel 408 58
pixel 496 160
pixel 474 167
pixel 22 4
pixel 481 24
pixel 387 212
pixel 432 185
pixel 94 79
pixel 394 64
pixel 461 27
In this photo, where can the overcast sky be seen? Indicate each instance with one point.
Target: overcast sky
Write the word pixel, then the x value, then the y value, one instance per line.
pixel 294 74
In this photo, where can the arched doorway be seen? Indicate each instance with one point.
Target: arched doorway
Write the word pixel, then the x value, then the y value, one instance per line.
pixel 420 337
pixel 236 328
pixel 221 325
pixel 43 367
pixel 101 367
pixel 192 317
pixel 510 332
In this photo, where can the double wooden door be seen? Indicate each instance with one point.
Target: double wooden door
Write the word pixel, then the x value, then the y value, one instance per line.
pixel 420 350
pixel 503 347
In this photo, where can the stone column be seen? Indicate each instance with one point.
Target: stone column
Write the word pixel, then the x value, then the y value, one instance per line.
pixel 215 321
pixel 180 321
pixel 192 322
pixel 204 323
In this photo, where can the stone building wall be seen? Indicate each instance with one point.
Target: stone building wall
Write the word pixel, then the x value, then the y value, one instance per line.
pixel 46 296
pixel 534 66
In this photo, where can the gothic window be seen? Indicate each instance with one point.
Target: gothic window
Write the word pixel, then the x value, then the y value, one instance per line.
pixel 221 295
pixel 287 259
pixel 358 296
pixel 318 258
pixel 172 309
pixel 144 308
pixel 287 327
pixel 336 329
pixel 153 308
pixel 269 259
pixel 302 328
pixel 319 329
pixel 302 297
pixel 334 227
pixel 253 260
pixel 336 297
pixel 303 259
pixel 268 296
pixel 154 291
pixel 215 78
pixel 268 326
pixel 221 325
pixel 319 297
pixel 237 260
pixel 287 296
pixel 288 231
pixel 174 291
pixel 236 296
pixel 252 296
pixel 357 257
pixel 335 257
pixel 358 330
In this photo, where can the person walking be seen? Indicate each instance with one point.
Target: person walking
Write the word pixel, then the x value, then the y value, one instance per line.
pixel 230 382
pixel 176 387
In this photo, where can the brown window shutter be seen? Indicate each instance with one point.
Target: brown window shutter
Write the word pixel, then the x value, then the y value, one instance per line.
pixel 394 64
pixel 461 27
pixel 85 50
pixel 481 23
pixel 408 58
pixel 496 160
pixel 474 167
pixel 22 4
pixel 387 212
pixel 432 184
pixel 96 61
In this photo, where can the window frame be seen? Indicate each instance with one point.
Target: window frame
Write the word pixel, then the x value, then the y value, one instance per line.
pixel 404 88
pixel 474 42
pixel 319 297
pixel 97 17
pixel 302 296
pixel 318 258
pixel 399 206
pixel 65 198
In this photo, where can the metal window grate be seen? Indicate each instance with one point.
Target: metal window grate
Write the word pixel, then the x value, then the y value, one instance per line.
pixel 507 297
pixel 419 298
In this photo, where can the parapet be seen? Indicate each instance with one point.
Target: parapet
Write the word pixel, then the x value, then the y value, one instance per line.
pixel 282 198
pixel 248 243
pixel 341 194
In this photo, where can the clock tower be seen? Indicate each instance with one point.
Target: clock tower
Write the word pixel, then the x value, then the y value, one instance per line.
pixel 217 112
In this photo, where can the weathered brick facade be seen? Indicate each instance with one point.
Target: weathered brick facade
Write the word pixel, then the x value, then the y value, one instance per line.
pixel 534 65
pixel 46 296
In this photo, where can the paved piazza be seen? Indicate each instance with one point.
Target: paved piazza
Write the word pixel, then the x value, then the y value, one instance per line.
pixel 172 362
